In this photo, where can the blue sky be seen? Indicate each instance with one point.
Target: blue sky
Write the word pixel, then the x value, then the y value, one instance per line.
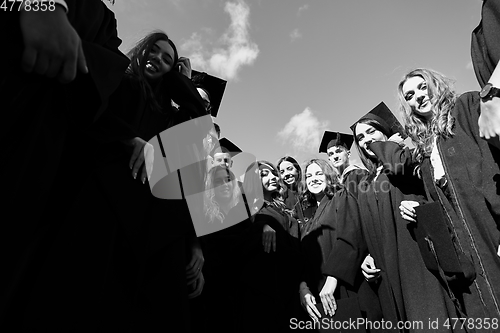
pixel 296 68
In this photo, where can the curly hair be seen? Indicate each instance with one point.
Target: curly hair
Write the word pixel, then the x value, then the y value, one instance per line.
pixel 442 97
pixel 211 206
pixel 253 189
pixel 295 186
pixel 332 182
pixel 138 58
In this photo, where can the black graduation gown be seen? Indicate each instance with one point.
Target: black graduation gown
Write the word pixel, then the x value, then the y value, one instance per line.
pixel 473 204
pixel 124 250
pixel 268 282
pixel 485 46
pixel 43 118
pixel 332 246
pixel 351 179
pixel 407 289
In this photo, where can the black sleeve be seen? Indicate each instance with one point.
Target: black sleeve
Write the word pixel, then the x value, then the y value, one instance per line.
pixel 485 46
pixel 396 159
pixel 350 249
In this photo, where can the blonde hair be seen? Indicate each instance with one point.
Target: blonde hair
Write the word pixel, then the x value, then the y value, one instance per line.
pixel 211 206
pixel 442 97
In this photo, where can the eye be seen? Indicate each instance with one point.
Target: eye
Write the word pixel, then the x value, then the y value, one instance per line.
pixel 408 96
pixel 308 175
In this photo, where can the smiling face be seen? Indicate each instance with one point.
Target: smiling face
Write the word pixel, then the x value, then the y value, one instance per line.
pixel 269 178
pixel 223 159
pixel 416 94
pixel 315 178
pixel 288 172
pixel 366 134
pixel 160 60
pixel 223 185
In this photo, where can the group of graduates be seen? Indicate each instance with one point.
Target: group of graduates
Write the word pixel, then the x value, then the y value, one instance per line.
pixel 125 215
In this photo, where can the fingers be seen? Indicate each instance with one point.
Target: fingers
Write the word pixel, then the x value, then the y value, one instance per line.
pixel 310 307
pixel 184 66
pixel 68 72
pixel 42 64
pixel 29 59
pixel 407 214
pixel 269 241
pixel 367 276
pixel 149 159
pixel 193 269
pixel 137 157
pixel 81 61
pixel 54 68
pixel 198 287
pixel 311 304
pixel 407 210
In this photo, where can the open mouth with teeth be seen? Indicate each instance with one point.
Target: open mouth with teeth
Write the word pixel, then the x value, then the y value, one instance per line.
pixel 151 67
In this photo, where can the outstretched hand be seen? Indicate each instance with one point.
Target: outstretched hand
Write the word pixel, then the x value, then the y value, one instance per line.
pixel 52 47
pixel 142 153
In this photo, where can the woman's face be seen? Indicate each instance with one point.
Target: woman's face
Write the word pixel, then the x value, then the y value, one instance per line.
pixel 315 179
pixel 366 134
pixel 223 185
pixel 269 178
pixel 417 96
pixel 288 172
pixel 160 60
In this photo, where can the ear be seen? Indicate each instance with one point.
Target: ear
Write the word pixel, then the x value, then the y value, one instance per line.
pixel 231 164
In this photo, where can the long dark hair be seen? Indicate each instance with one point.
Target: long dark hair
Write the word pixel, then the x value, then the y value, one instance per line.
pixel 252 185
pixel 138 56
pixel 295 186
pixel 370 163
pixel 332 183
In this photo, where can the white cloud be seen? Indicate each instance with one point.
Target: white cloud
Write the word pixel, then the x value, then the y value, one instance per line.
pixel 233 50
pixel 302 8
pixel 303 132
pixel 295 34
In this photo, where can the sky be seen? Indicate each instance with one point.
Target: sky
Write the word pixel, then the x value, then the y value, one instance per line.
pixel 295 68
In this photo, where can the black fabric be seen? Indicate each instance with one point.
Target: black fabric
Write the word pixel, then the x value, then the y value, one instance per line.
pixel 44 120
pixel 485 45
pixel 432 230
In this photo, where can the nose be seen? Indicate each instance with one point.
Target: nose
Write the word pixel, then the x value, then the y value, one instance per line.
pixel 420 98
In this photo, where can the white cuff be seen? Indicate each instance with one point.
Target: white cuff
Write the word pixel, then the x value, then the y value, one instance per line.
pixel 62 3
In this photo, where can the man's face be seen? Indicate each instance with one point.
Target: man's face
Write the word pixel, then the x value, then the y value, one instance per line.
pixel 339 156
pixel 223 159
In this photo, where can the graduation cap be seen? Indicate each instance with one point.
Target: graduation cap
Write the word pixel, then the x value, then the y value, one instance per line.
pixel 217 129
pixel 435 242
pixel 226 146
pixel 214 87
pixel 331 139
pixel 385 118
